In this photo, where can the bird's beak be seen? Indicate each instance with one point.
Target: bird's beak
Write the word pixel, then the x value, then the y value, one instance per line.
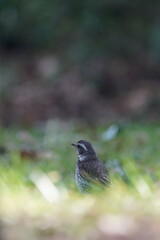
pixel 74 144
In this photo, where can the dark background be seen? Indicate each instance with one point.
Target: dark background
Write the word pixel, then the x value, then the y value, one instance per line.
pixel 87 60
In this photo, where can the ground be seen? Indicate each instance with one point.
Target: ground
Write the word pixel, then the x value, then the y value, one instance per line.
pixel 39 198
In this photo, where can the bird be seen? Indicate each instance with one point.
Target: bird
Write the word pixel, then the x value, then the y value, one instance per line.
pixel 90 171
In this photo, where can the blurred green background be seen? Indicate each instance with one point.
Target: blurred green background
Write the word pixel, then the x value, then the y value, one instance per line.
pixel 79 60
pixel 72 70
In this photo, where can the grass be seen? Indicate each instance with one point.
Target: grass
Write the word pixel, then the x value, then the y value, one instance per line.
pixel 39 198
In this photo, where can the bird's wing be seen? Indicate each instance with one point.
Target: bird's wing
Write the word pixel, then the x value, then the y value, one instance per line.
pixel 98 175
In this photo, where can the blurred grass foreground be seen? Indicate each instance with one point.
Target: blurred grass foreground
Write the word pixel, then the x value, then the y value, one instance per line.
pixel 38 196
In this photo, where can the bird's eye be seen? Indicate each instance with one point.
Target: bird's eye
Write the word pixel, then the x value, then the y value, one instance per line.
pixel 81 150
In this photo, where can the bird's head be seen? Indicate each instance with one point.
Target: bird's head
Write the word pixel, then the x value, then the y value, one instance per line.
pixel 84 148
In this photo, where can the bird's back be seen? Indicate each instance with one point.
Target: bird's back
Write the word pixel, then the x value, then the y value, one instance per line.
pixel 90 173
